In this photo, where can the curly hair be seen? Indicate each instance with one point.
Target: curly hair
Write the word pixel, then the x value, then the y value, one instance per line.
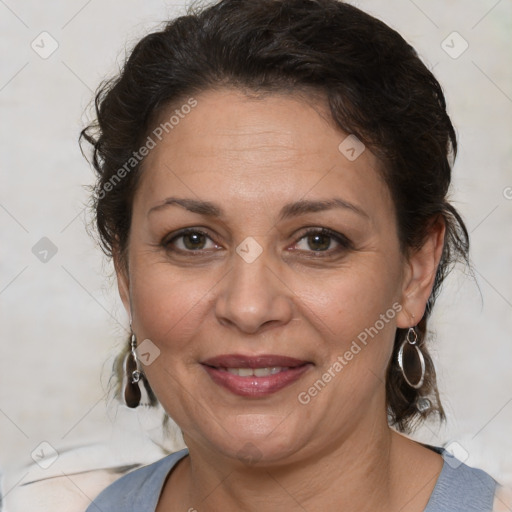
pixel 376 86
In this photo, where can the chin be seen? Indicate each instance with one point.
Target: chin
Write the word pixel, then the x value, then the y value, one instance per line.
pixel 260 439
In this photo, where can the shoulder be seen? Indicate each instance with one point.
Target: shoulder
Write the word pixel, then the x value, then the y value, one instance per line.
pixel 137 490
pixel 462 488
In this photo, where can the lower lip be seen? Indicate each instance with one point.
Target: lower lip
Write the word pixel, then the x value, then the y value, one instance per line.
pixel 256 386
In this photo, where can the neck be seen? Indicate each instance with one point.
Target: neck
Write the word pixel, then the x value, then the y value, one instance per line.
pixel 354 474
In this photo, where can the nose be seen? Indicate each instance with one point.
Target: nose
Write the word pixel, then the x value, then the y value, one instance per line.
pixel 253 297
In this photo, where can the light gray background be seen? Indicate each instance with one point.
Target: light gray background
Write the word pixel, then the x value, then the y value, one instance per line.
pixel 62 321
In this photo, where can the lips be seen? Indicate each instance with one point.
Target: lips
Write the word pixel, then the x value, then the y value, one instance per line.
pixel 254 376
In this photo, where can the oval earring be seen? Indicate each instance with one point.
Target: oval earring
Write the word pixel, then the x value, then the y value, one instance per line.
pixel 411 342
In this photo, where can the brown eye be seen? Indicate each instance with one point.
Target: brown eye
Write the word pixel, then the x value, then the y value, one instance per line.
pixel 191 240
pixel 323 241
pixel 194 241
pixel 319 242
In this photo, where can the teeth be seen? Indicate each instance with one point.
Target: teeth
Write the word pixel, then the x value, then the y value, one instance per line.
pixel 257 372
pixel 262 372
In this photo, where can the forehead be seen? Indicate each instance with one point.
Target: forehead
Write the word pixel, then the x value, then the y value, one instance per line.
pixel 276 148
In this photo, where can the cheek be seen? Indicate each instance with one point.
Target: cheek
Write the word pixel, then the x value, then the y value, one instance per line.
pixel 356 316
pixel 357 323
pixel 169 309
pixel 169 305
pixel 353 301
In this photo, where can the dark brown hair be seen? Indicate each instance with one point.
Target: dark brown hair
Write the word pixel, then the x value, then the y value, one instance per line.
pixel 376 87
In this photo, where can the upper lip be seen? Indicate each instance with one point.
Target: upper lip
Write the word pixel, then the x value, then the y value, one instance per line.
pixel 259 361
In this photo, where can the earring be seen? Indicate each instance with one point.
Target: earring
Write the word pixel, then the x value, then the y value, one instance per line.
pixel 133 375
pixel 407 345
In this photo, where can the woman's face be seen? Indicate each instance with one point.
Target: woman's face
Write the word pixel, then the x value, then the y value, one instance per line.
pixel 269 339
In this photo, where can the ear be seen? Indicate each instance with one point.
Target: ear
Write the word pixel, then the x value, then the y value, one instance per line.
pixel 123 283
pixel 419 275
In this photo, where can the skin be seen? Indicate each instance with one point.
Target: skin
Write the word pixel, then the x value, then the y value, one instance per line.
pixel 251 156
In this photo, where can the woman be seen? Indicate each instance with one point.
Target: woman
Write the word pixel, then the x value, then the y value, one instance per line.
pixel 272 181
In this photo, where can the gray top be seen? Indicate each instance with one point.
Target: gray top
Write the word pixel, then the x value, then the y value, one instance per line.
pixel 459 488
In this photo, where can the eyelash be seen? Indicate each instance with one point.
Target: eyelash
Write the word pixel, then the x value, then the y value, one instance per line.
pixel 344 243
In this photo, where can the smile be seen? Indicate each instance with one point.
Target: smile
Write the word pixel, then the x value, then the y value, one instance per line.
pixel 255 376
pixel 257 372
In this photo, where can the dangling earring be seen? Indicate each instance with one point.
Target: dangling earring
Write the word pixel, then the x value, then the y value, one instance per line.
pixel 133 375
pixel 407 345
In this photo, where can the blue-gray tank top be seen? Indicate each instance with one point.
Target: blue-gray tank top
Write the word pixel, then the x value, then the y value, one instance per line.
pixel 459 488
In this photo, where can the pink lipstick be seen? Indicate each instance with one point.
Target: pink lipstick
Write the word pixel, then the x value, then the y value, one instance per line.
pixel 254 376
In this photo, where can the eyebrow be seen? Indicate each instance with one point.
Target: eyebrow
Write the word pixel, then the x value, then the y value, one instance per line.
pixel 301 207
